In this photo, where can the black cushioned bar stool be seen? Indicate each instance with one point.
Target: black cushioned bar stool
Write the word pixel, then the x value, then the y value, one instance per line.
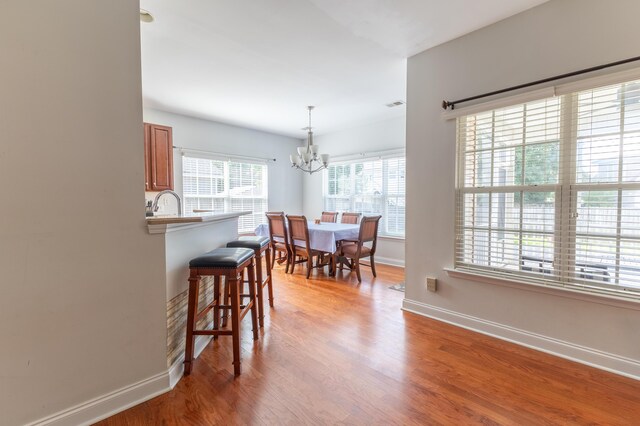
pixel 231 264
pixel 260 246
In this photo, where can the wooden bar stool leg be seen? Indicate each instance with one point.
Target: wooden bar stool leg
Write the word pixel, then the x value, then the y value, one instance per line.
pixel 225 301
pixel 252 296
pixel 192 309
pixel 269 279
pixel 216 306
pixel 235 319
pixel 258 270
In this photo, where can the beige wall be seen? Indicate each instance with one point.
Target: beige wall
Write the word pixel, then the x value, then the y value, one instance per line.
pixel 82 310
pixel 556 37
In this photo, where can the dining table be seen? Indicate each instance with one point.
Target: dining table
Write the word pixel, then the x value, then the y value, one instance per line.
pixel 323 236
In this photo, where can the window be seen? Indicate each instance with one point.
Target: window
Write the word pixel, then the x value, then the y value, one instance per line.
pixel 226 186
pixel 370 187
pixel 549 191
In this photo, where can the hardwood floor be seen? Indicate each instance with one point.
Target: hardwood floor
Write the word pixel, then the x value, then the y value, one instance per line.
pixel 335 352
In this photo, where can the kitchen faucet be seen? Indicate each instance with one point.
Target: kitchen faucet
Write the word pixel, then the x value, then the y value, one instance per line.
pixel 160 194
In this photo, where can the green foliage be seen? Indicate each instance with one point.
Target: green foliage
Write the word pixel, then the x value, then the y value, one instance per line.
pixel 599 199
pixel 541 165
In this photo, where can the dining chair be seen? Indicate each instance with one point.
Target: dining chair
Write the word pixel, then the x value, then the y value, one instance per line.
pixel 329 217
pixel 299 244
pixel 279 239
pixel 354 250
pixel 352 218
pixel 349 218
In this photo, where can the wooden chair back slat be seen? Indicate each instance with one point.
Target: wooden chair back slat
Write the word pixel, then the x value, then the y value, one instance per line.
pixel 277 227
pixel 329 217
pixel 369 229
pixel 298 230
pixel 352 218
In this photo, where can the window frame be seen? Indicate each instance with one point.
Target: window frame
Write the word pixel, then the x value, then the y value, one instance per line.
pixel 567 191
pixel 352 197
pixel 225 195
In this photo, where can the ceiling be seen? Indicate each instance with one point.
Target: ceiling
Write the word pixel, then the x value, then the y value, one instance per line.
pixel 258 64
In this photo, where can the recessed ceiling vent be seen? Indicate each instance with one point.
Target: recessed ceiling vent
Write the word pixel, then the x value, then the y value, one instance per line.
pixel 395 104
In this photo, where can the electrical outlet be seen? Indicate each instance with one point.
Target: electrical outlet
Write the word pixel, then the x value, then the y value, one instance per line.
pixel 432 284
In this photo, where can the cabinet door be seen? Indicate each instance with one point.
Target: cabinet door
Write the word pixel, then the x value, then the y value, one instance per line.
pixel 161 143
pixel 147 157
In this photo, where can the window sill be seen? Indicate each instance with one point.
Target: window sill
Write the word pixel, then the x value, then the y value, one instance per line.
pixel 604 299
pixel 390 237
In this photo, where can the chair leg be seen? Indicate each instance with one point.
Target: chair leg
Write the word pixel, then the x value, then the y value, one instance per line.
pixel 309 265
pixel 273 261
pixel 235 320
pixel 216 306
pixel 332 265
pixel 269 278
pixel 192 310
pixel 258 274
pixel 293 261
pixel 252 296
pixel 357 267
pixel 373 266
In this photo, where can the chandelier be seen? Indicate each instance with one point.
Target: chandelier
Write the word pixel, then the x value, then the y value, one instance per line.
pixel 307 159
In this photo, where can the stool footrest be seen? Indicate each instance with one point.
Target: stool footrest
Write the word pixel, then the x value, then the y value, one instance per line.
pixel 205 310
pixel 212 332
pixel 244 311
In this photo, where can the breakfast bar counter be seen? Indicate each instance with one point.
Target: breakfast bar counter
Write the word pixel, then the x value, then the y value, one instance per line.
pixel 168 223
pixel 185 237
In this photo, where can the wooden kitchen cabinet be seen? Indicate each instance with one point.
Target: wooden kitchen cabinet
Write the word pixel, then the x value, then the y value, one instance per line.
pixel 158 157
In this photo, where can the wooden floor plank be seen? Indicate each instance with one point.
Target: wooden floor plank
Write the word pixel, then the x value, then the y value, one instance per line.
pixel 337 352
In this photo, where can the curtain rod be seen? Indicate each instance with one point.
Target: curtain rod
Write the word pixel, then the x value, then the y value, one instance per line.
pixel 221 154
pixel 369 155
pixel 452 104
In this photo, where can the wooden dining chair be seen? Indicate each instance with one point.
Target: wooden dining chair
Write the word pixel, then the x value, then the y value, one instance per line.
pixel 352 218
pixel 329 217
pixel 301 251
pixel 354 250
pixel 279 239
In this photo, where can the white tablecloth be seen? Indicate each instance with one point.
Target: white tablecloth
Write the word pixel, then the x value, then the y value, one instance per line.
pixel 322 237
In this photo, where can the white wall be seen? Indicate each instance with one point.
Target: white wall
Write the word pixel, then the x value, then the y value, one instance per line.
pixel 380 136
pixel 556 37
pixel 285 184
pixel 83 309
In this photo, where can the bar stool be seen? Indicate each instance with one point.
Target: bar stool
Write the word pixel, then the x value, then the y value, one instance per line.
pixel 260 246
pixel 231 264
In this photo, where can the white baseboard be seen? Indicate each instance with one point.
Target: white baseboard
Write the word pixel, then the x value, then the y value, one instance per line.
pixel 389 261
pixel 595 358
pixel 114 402
pixel 109 404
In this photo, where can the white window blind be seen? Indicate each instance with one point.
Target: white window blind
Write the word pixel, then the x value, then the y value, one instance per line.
pixel 370 187
pixel 226 186
pixel 548 191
